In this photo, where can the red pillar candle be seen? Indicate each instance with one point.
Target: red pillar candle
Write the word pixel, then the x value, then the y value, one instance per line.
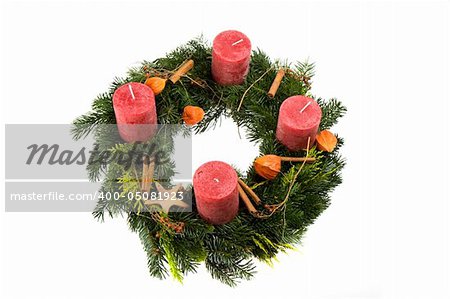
pixel 230 57
pixel 135 110
pixel 216 192
pixel 298 119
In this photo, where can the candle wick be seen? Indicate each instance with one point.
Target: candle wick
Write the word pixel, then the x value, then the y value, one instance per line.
pixel 237 42
pixel 306 106
pixel 216 180
pixel 131 91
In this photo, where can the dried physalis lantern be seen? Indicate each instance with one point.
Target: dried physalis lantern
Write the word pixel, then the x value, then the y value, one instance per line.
pixel 156 84
pixel 326 141
pixel 192 115
pixel 268 166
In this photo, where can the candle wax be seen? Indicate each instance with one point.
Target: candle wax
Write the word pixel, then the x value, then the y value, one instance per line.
pixel 135 116
pixel 216 192
pixel 297 121
pixel 230 57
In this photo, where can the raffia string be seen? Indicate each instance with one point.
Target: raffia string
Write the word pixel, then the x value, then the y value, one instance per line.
pixel 253 84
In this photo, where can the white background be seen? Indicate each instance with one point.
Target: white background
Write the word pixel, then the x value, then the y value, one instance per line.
pixel 386 234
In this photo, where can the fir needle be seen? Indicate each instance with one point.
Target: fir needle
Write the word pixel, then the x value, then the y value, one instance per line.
pixel 237 42
pixel 131 91
pixel 306 106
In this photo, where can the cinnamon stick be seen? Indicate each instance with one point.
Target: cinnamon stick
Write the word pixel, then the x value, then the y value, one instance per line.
pixel 249 190
pixel 298 159
pixel 276 83
pixel 145 164
pixel 147 173
pixel 246 200
pixel 183 69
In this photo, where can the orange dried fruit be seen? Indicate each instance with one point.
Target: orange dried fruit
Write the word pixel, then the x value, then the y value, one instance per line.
pixel 193 115
pixel 326 141
pixel 156 84
pixel 268 166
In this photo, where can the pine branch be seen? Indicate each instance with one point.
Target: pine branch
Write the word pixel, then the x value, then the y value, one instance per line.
pixel 332 110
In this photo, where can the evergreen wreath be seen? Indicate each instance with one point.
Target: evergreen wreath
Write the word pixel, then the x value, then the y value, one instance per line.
pixel 177 243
